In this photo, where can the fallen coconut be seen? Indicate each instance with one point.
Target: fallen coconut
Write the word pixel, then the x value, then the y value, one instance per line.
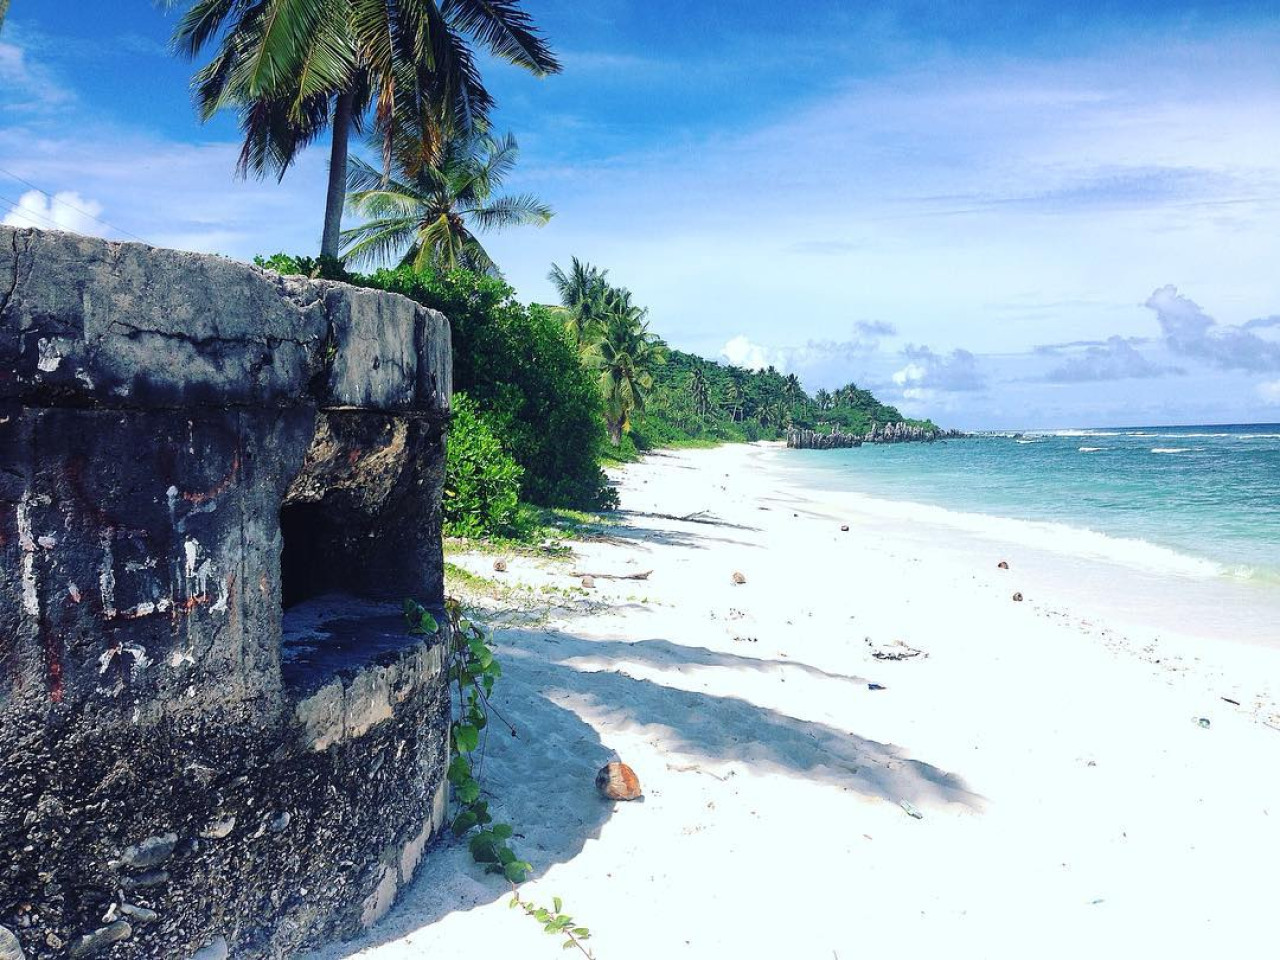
pixel 617 781
pixel 739 577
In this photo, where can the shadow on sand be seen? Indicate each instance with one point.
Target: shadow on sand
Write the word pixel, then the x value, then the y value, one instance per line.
pixel 546 775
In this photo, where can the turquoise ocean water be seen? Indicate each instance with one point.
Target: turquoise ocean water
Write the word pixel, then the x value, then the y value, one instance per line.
pixel 1198 501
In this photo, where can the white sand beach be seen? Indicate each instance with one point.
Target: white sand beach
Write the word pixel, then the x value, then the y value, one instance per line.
pixel 1049 778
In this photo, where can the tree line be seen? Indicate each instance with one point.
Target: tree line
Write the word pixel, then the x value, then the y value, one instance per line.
pixel 545 393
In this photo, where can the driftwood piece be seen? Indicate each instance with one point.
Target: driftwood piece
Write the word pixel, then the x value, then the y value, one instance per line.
pixel 698 516
pixel 613 576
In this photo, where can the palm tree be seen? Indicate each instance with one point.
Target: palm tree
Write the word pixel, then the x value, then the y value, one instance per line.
pixel 732 399
pixel 699 390
pixel 774 413
pixel 792 390
pixel 428 219
pixel 4 8
pixel 823 399
pixel 295 68
pixel 583 291
pixel 626 355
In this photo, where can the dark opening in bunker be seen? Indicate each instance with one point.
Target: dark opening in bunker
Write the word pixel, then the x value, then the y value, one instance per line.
pixel 311 561
pixel 333 620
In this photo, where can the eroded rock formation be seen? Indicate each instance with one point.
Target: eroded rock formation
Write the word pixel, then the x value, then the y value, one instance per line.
pixel 879 433
pixel 188 446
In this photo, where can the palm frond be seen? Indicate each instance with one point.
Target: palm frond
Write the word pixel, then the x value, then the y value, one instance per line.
pixel 506 30
pixel 516 211
pixel 377 241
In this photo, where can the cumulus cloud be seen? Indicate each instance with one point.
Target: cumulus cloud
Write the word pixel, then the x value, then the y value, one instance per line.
pixel 742 352
pixel 1270 392
pixel 66 210
pixel 929 373
pixel 815 356
pixel 1190 332
pixel 1112 359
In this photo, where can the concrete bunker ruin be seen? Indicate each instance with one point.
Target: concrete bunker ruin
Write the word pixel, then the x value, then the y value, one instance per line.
pixel 217 485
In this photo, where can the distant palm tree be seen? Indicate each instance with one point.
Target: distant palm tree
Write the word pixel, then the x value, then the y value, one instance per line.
pixel 295 68
pixel 700 391
pixel 823 399
pixel 791 388
pixel 4 8
pixel 626 355
pixel 732 400
pixel 774 413
pixel 429 220
pixel 583 291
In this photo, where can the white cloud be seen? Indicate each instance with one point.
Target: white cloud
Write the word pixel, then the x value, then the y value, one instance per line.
pixel 929 373
pixel 26 85
pixel 1190 332
pixel 1270 392
pixel 741 352
pixel 65 210
pixel 1114 359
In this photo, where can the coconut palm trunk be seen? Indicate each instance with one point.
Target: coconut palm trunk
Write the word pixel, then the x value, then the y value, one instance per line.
pixel 334 200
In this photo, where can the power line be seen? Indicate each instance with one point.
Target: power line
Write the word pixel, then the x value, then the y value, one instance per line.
pixel 71 206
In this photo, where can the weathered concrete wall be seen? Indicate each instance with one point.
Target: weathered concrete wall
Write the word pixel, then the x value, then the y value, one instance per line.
pixel 167 781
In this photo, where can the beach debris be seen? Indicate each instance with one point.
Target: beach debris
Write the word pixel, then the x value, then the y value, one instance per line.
pixel 1003 565
pixel 617 781
pixel 739 577
pixel 844 528
pixel 747 640
pixel 643 575
pixel 698 516
pixel 1204 722
pixel 1229 700
pixel 876 686
pixel 1017 598
pixel 909 809
pixel 895 650
pixel 589 582
pixel 500 566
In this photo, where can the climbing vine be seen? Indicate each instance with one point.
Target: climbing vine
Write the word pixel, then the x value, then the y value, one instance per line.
pixel 473 670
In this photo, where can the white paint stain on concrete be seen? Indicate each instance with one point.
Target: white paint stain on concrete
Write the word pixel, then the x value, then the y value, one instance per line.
pixel 107 577
pixel 49 359
pixel 224 594
pixel 30 596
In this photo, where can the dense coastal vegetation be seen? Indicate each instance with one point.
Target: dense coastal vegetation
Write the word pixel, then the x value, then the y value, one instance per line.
pixel 549 394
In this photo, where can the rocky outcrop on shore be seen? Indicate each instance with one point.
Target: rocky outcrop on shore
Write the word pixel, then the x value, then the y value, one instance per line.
pixel 900 432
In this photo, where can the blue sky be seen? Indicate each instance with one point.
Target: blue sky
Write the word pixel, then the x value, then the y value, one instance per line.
pixel 1009 215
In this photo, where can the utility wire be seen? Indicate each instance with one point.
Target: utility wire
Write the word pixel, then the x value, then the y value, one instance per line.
pixel 71 206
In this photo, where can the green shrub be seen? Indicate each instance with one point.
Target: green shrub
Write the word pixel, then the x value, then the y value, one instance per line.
pixel 481 480
pixel 518 365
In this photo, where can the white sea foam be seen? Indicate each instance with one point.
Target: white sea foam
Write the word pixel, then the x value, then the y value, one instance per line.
pixel 1059 538
pixel 1091 449
pixel 1170 449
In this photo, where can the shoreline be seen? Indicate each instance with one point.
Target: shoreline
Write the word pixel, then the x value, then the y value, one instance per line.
pixel 1069 796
